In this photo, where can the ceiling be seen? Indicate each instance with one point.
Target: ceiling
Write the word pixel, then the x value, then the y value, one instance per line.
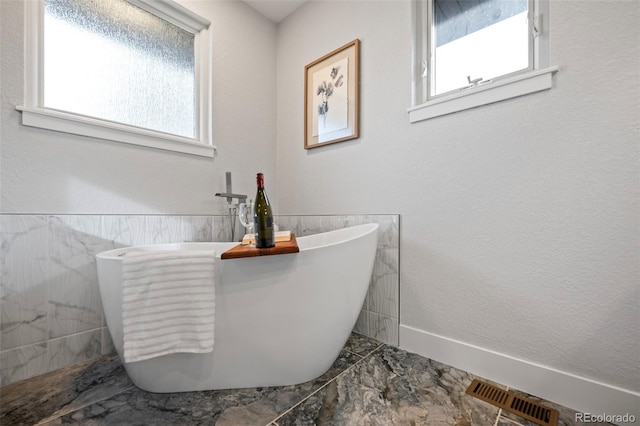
pixel 276 10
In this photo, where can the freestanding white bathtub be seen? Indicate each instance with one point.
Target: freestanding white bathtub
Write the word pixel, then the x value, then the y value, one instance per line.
pixel 279 320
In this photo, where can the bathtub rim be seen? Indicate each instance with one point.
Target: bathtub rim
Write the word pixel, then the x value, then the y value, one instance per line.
pixel 364 229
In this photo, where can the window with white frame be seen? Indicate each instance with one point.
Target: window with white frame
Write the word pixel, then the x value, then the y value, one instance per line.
pixel 469 53
pixel 133 71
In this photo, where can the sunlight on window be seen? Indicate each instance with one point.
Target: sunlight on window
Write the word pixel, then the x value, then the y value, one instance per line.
pixel 472 53
pixel 113 61
pixel 498 49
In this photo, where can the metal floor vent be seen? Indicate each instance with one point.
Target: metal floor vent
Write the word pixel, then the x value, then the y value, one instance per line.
pixel 512 403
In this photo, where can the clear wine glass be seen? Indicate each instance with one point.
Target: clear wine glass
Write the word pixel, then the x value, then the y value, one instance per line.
pixel 245 214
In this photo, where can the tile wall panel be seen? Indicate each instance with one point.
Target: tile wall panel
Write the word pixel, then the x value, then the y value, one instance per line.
pixel 23 362
pixel 73 349
pixel 197 228
pixel 163 229
pixel 24 280
pixel 221 229
pixel 74 296
pixel 124 231
pixel 50 309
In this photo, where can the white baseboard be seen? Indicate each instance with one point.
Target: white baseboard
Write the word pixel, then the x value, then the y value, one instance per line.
pixel 578 393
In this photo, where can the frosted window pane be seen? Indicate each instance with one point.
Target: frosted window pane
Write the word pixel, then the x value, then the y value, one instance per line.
pixel 114 61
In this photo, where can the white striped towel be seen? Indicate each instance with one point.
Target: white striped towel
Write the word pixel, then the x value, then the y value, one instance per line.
pixel 168 302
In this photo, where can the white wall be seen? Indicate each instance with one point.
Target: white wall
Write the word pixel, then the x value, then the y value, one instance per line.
pixel 519 220
pixel 48 172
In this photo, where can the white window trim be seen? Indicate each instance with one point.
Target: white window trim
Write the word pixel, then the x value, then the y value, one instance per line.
pixel 35 115
pixel 519 85
pixel 539 79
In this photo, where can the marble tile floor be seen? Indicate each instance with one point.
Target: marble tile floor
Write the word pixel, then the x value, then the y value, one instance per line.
pixel 369 384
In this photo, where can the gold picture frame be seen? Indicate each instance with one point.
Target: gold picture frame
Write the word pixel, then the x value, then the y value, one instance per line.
pixel 331 97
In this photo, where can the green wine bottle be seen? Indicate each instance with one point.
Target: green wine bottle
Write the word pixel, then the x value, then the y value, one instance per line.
pixel 263 217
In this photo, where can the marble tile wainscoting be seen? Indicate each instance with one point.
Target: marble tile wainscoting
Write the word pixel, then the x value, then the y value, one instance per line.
pixel 50 309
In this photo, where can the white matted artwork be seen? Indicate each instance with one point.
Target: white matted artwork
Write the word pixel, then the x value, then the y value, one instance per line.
pixel 331 100
pixel 331 97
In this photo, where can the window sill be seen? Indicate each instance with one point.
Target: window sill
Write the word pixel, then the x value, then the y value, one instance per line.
pixel 101 129
pixel 500 90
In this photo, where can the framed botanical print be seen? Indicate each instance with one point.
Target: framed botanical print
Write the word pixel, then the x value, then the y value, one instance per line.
pixel 331 97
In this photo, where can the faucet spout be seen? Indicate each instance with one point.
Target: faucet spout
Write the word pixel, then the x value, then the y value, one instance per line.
pixel 229 195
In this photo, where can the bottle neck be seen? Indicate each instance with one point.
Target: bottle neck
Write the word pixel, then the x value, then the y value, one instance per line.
pixel 260 180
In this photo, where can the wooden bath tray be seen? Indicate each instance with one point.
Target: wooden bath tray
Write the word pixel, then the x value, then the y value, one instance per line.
pixel 241 251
